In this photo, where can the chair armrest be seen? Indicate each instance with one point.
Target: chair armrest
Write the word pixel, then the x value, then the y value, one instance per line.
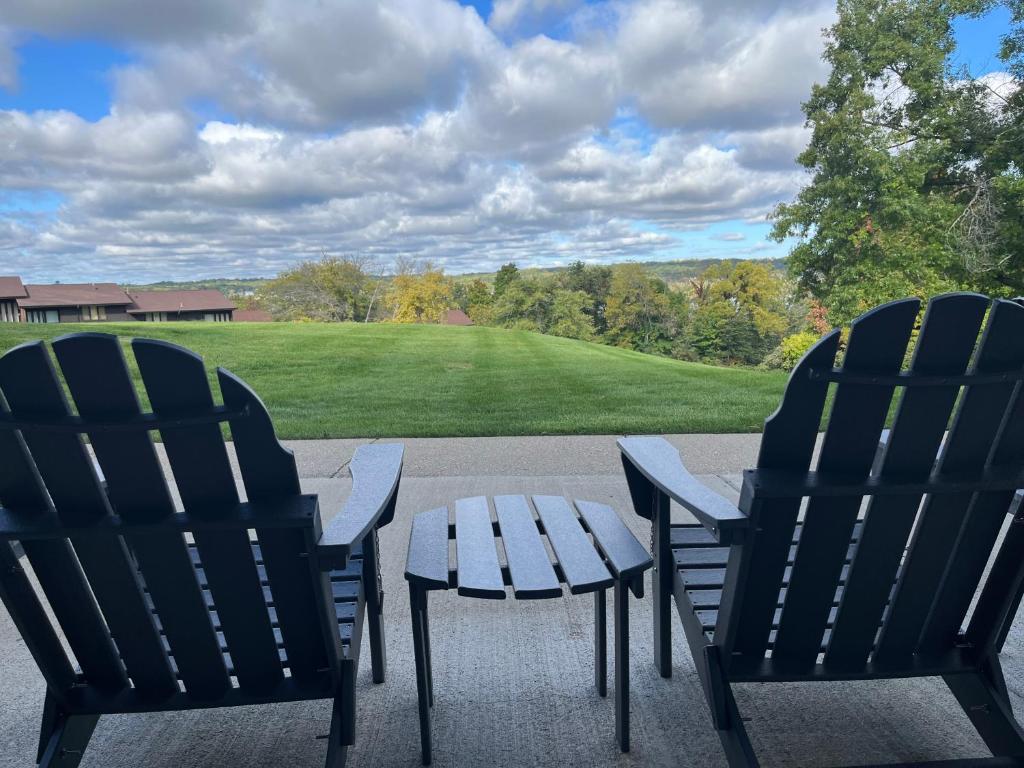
pixel 656 463
pixel 376 472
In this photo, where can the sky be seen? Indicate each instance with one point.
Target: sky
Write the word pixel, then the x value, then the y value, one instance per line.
pixel 179 139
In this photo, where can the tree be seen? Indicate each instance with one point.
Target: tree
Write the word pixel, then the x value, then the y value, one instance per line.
pixel 916 185
pixel 420 298
pixel 525 303
pixel 752 288
pixel 720 334
pixel 507 275
pixel 639 312
pixel 331 289
pixel 569 316
pixel 595 281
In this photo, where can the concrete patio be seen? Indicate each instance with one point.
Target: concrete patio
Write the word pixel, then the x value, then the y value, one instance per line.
pixel 514 680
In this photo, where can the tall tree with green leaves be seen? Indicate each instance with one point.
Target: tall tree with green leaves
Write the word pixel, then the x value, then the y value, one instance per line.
pixel 916 166
pixel 505 276
pixel 639 313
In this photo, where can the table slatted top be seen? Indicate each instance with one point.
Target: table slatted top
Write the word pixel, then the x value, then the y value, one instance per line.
pixel 532 545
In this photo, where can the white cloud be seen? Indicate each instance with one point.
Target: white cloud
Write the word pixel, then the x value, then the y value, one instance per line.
pixel 692 68
pixel 324 65
pixel 409 127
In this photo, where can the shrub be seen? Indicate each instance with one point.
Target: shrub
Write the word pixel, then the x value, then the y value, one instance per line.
pixel 790 350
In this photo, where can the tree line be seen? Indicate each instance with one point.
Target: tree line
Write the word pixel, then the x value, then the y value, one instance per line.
pixel 734 313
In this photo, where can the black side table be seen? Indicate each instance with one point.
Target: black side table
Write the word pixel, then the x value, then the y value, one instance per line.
pixel 614 558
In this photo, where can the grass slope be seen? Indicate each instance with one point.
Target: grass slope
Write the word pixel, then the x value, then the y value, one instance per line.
pixel 380 380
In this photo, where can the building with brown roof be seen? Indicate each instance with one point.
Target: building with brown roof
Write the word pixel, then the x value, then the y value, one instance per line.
pixel 162 306
pixel 92 302
pixel 74 303
pixel 456 317
pixel 11 290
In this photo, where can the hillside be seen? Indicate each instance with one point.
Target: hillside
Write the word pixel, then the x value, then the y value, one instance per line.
pixel 383 380
pixel 669 271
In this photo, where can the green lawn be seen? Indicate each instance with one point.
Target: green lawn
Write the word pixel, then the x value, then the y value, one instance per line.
pixel 380 380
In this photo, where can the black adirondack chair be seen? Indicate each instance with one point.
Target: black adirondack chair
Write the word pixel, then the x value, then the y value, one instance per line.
pixel 883 573
pixel 225 603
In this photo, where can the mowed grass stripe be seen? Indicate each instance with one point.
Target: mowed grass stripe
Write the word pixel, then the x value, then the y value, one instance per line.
pixel 383 380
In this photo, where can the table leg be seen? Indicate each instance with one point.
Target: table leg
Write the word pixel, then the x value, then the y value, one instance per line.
pixel 418 604
pixel 621 610
pixel 601 642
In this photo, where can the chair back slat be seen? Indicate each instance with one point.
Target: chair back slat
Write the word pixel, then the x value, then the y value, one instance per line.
pixel 948 336
pixel 974 431
pixel 878 344
pixel 268 472
pixel 748 603
pixel 175 381
pixel 30 618
pixel 31 388
pixel 96 373
pixel 980 528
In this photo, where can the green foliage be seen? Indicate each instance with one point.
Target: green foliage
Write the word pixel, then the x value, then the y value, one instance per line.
pixel 507 275
pixel 916 167
pixel 721 334
pixel 525 304
pixel 740 311
pixel 790 350
pixel 639 313
pixel 569 315
pixel 595 282
pixel 331 290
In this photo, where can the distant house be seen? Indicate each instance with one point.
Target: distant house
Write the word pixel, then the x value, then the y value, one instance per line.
pixel 74 303
pixel 252 316
pixel 455 317
pixel 164 306
pixel 96 302
pixel 11 290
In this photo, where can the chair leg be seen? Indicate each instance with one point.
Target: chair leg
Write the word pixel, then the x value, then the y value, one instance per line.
pixel 374 606
pixel 63 738
pixel 621 610
pixel 601 642
pixel 664 573
pixel 735 741
pixel 725 715
pixel 418 604
pixel 337 746
pixel 426 651
pixel 343 716
pixel 983 698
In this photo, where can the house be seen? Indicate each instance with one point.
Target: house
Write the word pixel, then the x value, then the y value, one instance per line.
pixel 74 303
pixel 95 302
pixel 252 316
pixel 455 317
pixel 11 290
pixel 163 306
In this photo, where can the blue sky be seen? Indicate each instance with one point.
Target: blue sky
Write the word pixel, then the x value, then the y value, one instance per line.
pixel 537 131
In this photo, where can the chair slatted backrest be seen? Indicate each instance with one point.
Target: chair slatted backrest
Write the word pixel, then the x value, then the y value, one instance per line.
pixel 139 609
pixel 872 603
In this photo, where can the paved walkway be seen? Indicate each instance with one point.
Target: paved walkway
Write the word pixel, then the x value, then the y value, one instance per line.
pixel 514 680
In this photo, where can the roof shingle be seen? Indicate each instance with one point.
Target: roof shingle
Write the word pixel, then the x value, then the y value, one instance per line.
pixel 205 300
pixel 11 288
pixel 74 295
